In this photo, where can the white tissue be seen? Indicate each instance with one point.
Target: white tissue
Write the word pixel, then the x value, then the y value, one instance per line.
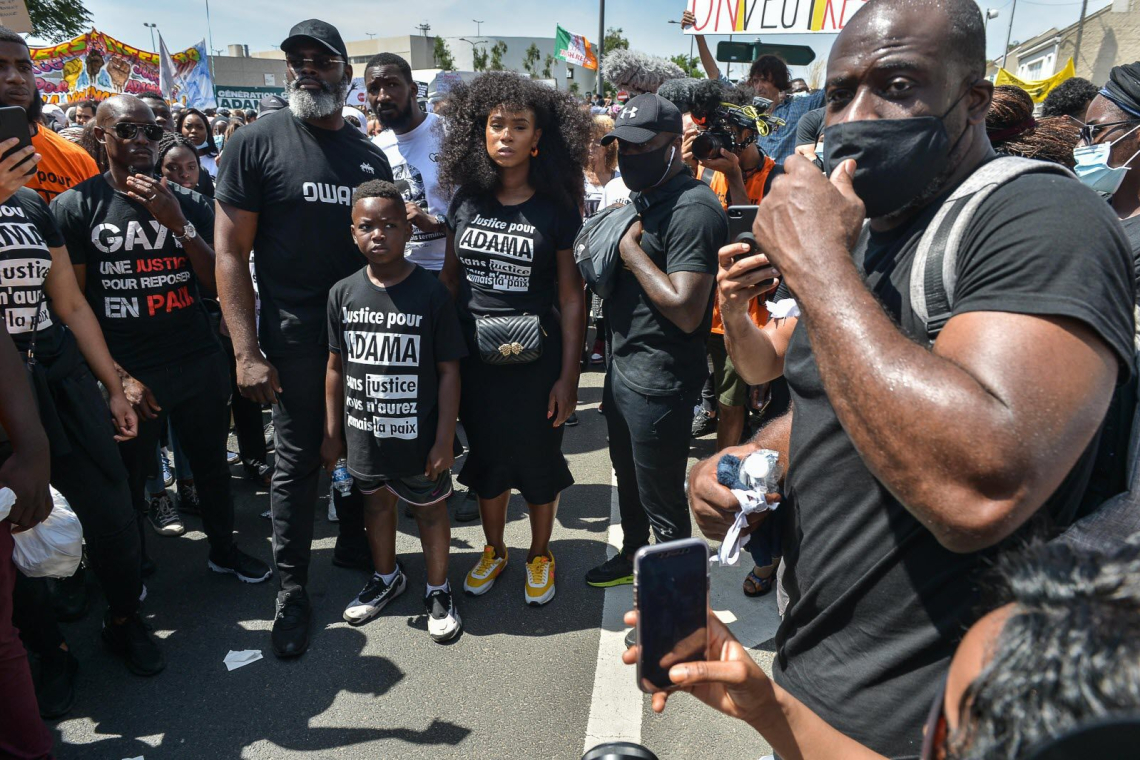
pixel 753 472
pixel 235 660
pixel 785 308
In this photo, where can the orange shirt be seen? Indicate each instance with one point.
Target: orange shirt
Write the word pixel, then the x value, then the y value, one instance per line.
pixel 755 187
pixel 63 164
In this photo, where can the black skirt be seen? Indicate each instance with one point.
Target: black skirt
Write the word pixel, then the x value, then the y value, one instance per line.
pixel 503 410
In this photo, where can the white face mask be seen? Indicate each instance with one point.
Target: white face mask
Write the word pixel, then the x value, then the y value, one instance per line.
pixel 819 151
pixel 1092 167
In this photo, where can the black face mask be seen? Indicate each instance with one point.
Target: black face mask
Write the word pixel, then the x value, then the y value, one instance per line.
pixel 895 159
pixel 642 171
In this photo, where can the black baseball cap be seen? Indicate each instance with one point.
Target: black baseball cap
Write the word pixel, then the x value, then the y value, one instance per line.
pixel 320 32
pixel 645 117
pixel 271 103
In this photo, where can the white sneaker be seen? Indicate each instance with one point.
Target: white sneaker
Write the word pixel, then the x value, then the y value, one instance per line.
pixel 374 597
pixel 443 619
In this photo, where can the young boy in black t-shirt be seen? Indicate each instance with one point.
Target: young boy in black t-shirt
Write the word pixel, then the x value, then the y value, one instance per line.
pixel 393 379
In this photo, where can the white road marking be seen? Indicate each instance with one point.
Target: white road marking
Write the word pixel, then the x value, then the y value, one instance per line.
pixel 616 703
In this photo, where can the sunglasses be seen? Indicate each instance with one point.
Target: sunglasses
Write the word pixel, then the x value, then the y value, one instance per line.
pixel 126 131
pixel 1091 132
pixel 320 63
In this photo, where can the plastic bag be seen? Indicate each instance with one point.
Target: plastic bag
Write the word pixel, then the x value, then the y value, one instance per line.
pixel 53 548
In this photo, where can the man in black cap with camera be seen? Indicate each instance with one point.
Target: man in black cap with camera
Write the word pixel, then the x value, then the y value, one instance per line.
pixel 285 189
pixel 659 317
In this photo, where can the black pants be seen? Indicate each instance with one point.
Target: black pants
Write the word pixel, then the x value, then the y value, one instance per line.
pixel 193 395
pixel 247 415
pixel 649 449
pixel 298 422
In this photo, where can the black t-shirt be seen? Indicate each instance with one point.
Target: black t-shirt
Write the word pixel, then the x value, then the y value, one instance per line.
pixel 390 340
pixel 509 253
pixel 683 229
pixel 1132 230
pixel 140 283
pixel 27 233
pixel 810 127
pixel 299 179
pixel 877 605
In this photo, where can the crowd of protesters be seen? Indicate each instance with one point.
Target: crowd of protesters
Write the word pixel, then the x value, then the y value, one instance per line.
pixel 933 324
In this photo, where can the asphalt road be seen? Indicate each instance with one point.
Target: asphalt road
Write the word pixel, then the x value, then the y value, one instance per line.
pixel 519 682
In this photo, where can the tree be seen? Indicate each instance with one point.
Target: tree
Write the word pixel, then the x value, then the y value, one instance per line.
pixel 614 40
pixel 497 53
pixel 531 59
pixel 574 88
pixel 548 66
pixel 58 20
pixel 442 54
pixel 691 66
pixel 479 58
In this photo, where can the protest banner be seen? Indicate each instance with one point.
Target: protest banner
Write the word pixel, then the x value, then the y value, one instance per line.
pixel 94 66
pixel 575 49
pixel 1038 89
pixel 243 97
pixel 765 17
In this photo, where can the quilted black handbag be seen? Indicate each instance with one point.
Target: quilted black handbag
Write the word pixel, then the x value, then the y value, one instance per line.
pixel 516 339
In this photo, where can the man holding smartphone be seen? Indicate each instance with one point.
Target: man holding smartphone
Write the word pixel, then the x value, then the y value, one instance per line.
pixel 659 317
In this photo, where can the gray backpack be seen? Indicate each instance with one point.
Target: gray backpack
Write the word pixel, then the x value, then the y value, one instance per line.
pixel 933 279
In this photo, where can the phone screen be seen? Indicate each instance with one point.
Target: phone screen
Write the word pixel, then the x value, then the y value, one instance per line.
pixel 672 603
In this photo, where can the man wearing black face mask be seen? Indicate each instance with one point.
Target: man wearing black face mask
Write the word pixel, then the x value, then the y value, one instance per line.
pixel 659 317
pixel 909 465
pixel 285 190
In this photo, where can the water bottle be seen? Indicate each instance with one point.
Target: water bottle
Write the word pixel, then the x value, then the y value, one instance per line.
pixel 341 479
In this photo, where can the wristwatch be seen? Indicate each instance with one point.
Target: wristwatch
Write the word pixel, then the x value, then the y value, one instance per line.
pixel 188 233
pixel 441 220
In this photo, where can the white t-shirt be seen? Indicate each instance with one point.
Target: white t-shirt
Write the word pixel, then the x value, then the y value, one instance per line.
pixel 210 165
pixel 594 195
pixel 615 192
pixel 413 157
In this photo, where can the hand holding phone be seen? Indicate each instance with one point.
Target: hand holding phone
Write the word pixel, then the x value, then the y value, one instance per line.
pixel 671 594
pixel 740 221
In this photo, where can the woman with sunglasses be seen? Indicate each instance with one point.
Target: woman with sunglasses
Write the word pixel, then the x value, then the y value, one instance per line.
pixel 513 156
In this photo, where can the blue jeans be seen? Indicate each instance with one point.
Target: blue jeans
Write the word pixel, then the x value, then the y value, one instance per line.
pixel 156 485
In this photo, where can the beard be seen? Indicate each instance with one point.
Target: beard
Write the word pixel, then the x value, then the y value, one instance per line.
pixel 398 119
pixel 306 104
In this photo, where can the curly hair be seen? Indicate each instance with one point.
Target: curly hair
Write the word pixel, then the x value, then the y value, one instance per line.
pixel 602 126
pixel 637 72
pixel 707 95
pixel 1014 132
pixel 169 142
pixel 1070 98
pixel 464 165
pixel 1068 653
pixel 771 68
pixel 376 188
pixel 93 147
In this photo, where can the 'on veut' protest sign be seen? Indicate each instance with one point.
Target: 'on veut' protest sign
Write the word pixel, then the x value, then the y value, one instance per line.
pixel 764 17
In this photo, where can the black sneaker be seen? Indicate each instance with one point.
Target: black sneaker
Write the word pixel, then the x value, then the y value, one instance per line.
pixel 69 596
pixel 132 641
pixel 257 470
pixel 236 562
pixel 615 571
pixel 188 503
pixel 374 596
pixel 572 420
pixel 290 636
pixel 443 620
pixel 351 557
pixel 468 510
pixel 164 518
pixel 703 424
pixel 55 688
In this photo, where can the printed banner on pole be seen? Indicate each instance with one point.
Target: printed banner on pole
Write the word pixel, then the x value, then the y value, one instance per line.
pixel 575 49
pixel 94 66
pixel 1039 88
pixel 771 16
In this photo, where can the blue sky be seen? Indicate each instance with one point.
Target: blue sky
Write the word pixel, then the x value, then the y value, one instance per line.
pixel 262 23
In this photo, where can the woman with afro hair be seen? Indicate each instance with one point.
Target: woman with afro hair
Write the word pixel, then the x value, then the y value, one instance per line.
pixel 513 155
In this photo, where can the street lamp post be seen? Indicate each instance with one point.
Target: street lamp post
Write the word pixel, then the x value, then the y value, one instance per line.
pixel 600 84
pixel 473 44
pixel 990 13
pixel 1008 34
pixel 152 27
pixel 478 27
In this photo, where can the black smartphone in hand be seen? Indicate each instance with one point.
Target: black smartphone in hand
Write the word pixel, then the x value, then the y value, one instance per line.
pixel 671 595
pixel 14 123
pixel 740 220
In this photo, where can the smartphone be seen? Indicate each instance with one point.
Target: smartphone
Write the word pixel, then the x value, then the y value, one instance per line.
pixel 671 595
pixel 740 220
pixel 14 123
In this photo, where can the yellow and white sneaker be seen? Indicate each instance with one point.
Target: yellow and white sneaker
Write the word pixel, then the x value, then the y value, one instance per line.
pixel 540 580
pixel 481 577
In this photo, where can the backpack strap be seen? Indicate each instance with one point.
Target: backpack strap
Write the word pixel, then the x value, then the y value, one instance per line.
pixel 934 275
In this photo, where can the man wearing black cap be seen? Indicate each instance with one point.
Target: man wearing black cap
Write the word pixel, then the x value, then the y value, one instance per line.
pixel 659 315
pixel 1110 144
pixel 271 104
pixel 285 189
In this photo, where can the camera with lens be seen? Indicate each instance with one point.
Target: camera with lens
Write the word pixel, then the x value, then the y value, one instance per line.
pixel 723 113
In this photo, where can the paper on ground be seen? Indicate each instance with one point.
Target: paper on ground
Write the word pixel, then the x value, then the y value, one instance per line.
pixel 235 660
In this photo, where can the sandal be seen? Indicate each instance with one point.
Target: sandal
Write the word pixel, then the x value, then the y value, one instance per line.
pixel 760 586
